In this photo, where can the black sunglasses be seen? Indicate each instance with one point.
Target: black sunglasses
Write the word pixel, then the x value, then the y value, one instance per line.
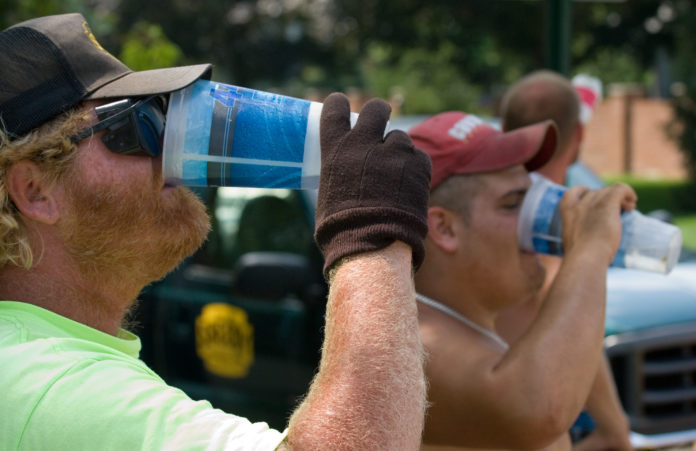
pixel 132 127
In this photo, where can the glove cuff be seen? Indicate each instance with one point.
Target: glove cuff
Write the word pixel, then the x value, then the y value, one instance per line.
pixel 366 229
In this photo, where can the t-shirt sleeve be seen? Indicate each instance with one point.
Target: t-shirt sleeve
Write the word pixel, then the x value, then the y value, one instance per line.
pixel 112 405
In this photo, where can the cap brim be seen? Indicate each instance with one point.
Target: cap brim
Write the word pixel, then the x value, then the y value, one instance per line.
pixel 545 140
pixel 533 146
pixel 149 82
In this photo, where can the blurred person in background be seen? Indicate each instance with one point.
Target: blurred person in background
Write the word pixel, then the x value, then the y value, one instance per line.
pixel 539 96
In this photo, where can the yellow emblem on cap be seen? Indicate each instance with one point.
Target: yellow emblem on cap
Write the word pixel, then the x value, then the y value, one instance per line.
pixel 225 340
pixel 90 35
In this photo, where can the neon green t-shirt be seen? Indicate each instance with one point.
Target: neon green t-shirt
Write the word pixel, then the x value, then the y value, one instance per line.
pixel 66 386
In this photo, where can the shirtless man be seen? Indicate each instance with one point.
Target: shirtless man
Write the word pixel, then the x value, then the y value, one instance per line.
pixel 483 392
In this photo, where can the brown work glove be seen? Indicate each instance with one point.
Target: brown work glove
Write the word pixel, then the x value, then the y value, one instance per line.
pixel 373 190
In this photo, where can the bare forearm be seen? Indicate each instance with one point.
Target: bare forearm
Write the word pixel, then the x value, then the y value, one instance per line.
pixel 603 402
pixel 568 333
pixel 604 406
pixel 571 323
pixel 559 354
pixel 370 390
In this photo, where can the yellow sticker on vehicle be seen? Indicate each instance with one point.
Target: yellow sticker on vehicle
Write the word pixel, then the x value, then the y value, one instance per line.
pixel 225 340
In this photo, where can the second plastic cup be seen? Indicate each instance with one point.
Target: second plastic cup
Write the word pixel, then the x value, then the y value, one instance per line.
pixel 646 243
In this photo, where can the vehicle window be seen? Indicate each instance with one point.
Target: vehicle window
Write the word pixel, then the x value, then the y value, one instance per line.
pixel 256 219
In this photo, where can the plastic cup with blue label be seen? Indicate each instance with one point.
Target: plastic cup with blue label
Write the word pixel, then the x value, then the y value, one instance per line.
pixel 646 243
pixel 225 135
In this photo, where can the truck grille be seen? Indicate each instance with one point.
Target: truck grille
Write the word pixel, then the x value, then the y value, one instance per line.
pixel 655 374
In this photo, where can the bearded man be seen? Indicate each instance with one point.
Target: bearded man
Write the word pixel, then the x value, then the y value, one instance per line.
pixel 86 221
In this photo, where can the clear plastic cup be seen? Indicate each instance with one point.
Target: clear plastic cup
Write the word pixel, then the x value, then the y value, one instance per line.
pixel 646 243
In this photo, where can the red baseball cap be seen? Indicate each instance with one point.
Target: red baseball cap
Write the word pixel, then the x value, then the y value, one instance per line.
pixel 460 143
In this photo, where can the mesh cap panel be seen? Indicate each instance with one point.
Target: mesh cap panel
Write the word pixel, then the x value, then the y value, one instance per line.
pixel 52 88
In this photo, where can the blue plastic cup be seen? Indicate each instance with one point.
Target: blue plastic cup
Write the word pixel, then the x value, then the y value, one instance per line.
pixel 225 135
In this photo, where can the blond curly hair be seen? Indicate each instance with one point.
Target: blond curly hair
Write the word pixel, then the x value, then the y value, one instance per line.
pixel 50 148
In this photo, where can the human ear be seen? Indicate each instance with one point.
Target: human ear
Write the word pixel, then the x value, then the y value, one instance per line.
pixel 441 230
pixel 30 192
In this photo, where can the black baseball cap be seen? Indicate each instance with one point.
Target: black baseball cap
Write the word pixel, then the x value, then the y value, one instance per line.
pixel 51 64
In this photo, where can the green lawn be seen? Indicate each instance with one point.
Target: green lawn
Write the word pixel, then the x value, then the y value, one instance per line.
pixel 687 224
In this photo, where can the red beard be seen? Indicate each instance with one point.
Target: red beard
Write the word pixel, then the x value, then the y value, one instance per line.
pixel 136 235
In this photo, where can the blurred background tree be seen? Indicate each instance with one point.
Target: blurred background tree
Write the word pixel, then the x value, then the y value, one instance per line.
pixel 434 55
pixel 425 56
pixel 684 91
pixel 145 46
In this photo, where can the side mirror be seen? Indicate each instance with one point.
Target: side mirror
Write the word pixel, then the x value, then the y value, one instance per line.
pixel 271 275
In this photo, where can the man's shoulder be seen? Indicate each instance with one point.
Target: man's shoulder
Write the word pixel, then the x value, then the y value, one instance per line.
pixel 19 323
pixel 36 351
pixel 455 349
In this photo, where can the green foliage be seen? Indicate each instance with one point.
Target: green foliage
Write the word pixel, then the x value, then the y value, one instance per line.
pixel 254 44
pixel 435 55
pixel 146 47
pixel 13 11
pixel 100 20
pixel 687 224
pixel 678 197
pixel 684 105
pixel 675 196
pixel 428 82
pixel 616 65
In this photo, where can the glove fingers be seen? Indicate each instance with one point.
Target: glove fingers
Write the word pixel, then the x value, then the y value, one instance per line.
pixel 383 168
pixel 408 178
pixel 373 119
pixel 335 120
pixel 414 190
pixel 398 139
pixel 372 189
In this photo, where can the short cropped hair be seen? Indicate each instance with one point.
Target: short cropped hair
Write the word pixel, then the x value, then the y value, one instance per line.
pixel 539 96
pixel 456 193
pixel 51 149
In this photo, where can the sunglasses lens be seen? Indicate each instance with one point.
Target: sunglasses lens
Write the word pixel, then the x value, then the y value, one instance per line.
pixel 150 123
pixel 138 133
pixel 121 137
